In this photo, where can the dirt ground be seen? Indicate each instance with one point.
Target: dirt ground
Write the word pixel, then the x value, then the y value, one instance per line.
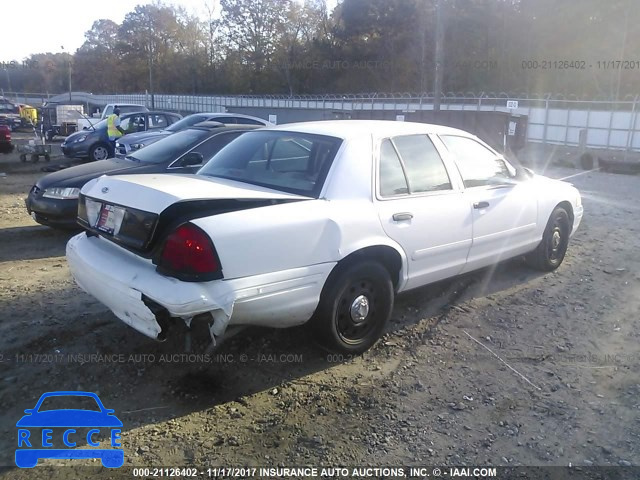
pixel 427 394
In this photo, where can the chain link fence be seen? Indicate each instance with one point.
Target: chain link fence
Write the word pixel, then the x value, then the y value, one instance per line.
pixel 552 119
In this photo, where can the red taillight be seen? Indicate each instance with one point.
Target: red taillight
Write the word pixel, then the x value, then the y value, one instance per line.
pixel 188 252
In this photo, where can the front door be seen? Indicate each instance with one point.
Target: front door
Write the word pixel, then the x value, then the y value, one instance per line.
pixel 505 210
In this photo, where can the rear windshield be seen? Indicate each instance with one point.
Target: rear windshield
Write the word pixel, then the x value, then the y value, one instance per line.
pixel 287 161
pixel 171 147
pixel 187 122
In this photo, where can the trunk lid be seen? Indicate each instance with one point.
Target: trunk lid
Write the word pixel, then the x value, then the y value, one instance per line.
pixel 155 192
pixel 136 211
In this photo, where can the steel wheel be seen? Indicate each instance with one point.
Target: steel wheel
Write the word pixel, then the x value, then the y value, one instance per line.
pixel 551 251
pixel 357 309
pixel 99 152
pixel 355 304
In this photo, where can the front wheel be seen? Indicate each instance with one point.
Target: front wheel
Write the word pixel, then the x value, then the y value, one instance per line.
pixel 551 251
pixel 355 304
pixel 98 152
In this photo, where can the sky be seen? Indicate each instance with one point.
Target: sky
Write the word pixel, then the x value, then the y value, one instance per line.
pixel 40 26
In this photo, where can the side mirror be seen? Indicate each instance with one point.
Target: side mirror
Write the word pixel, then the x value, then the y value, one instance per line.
pixel 523 173
pixel 192 159
pixel 29 411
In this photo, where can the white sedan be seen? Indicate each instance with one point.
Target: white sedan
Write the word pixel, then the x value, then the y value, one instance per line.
pixel 321 222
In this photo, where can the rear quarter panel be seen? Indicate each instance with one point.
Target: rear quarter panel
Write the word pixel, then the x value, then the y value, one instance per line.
pixel 292 235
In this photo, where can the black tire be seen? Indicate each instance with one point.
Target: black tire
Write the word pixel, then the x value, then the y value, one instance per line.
pixel 551 251
pixel 354 307
pixel 99 151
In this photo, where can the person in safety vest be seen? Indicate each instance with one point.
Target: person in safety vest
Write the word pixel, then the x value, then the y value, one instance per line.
pixel 113 127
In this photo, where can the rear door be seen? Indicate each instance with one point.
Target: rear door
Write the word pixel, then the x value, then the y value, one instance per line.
pixel 157 121
pixel 505 210
pixel 422 207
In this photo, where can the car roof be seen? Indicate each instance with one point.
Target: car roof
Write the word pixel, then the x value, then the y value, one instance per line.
pixel 223 127
pixel 148 112
pixel 378 128
pixel 227 114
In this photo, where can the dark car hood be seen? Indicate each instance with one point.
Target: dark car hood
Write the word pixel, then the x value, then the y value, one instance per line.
pixel 79 175
pixel 88 131
pixel 140 136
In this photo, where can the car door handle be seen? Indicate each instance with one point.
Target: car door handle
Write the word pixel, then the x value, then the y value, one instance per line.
pixel 479 205
pixel 400 217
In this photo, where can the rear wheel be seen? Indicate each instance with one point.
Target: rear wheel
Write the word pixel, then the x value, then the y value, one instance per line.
pixel 99 151
pixel 354 307
pixel 551 251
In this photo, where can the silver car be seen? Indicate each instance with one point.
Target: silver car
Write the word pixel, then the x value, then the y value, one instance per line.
pixel 135 141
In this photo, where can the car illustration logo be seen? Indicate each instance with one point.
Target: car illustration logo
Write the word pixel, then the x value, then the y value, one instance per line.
pixel 105 189
pixel 78 430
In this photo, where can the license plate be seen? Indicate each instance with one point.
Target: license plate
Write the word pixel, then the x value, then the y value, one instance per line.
pixel 110 219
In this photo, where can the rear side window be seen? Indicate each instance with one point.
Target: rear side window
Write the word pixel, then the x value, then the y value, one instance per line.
pixel 392 179
pixel 225 120
pixel 157 121
pixel 247 121
pixel 478 165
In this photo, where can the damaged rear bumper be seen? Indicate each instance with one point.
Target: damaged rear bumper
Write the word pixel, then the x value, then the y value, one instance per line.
pixel 142 298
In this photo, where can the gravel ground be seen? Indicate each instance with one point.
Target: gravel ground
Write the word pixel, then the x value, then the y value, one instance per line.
pixel 564 391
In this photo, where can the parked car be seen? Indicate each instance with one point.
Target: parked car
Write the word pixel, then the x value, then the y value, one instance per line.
pixel 94 142
pixel 9 114
pixel 5 139
pixel 53 200
pixel 319 222
pixel 135 141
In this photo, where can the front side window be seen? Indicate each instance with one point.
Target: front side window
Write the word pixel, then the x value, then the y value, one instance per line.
pixel 169 148
pixel 134 123
pixel 215 144
pixel 411 164
pixel 288 161
pixel 478 165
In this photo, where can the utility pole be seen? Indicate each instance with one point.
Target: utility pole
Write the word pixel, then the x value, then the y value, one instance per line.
pixel 622 49
pixel 68 71
pixel 439 56
pixel 8 80
pixel 150 38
